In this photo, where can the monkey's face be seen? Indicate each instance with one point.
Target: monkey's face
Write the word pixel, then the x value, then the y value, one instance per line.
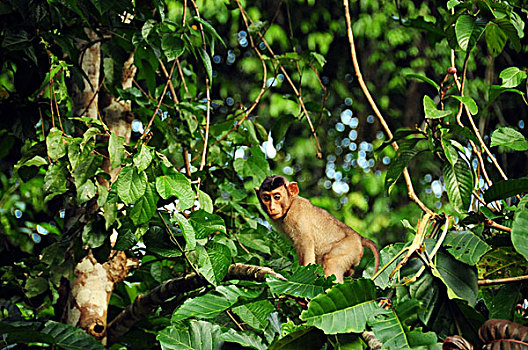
pixel 276 202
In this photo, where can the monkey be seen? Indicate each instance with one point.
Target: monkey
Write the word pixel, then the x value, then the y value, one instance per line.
pixel 317 236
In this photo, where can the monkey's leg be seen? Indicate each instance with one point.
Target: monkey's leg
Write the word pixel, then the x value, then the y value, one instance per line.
pixel 344 255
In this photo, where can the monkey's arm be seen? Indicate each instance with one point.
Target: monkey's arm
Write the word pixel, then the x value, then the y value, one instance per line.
pixel 306 251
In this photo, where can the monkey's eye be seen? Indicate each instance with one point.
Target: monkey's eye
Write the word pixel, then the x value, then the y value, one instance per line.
pixel 266 198
pixel 277 196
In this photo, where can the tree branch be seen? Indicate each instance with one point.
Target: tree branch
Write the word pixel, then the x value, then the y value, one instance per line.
pixel 412 195
pixel 502 280
pixel 144 305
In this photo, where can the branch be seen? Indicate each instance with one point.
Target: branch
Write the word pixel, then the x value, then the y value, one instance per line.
pixel 502 280
pixel 412 195
pixel 145 304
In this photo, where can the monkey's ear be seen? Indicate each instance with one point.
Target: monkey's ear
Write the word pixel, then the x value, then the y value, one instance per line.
pixel 256 189
pixel 293 188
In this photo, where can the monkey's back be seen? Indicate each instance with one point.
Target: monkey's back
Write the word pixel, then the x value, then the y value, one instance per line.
pixel 319 224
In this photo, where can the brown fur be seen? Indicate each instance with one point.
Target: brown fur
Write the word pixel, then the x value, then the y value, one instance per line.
pixel 317 236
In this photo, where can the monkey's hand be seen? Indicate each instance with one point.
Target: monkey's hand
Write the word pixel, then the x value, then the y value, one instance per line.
pixel 306 253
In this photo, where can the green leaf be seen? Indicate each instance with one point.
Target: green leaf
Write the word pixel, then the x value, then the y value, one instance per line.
pixel 407 151
pixel 459 278
pixel 178 185
pixel 143 159
pixel 71 338
pixel 450 151
pixel 512 77
pixel 509 137
pixel 344 308
pixel 431 111
pixel 206 203
pixel 55 144
pixel 131 185
pixel 172 46
pixel 35 286
pixel 35 161
pixel 519 234
pixel 206 224
pixel 459 182
pixel 495 39
pixel 116 150
pixel 245 339
pixel 424 79
pixel 207 63
pixel 468 102
pixel 464 27
pixel 390 328
pixel 145 206
pixel 503 303
pixel 511 32
pixel 255 166
pixel 200 335
pixel 255 314
pixel 147 28
pixel 210 29
pixel 505 189
pixel 86 191
pixel 55 180
pixel 187 230
pixel 303 338
pixel 303 283
pixel 466 247
pixel 213 262
pixel 158 242
pixel 213 303
pixel 88 165
pixel 89 135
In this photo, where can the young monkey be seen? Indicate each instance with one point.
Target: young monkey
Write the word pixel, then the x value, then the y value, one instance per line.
pixel 317 236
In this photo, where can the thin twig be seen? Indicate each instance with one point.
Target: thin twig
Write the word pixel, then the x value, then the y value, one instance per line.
pixel 158 106
pixel 207 93
pixel 493 224
pixel 502 280
pixel 169 231
pixel 94 96
pixel 171 86
pixel 364 88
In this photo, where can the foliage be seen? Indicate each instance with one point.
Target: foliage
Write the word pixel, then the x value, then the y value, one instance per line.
pixel 227 93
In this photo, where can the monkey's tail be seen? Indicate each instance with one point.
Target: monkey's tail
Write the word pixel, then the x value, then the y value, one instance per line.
pixel 365 242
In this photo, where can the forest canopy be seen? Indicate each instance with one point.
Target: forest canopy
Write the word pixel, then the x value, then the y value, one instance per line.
pixel 133 134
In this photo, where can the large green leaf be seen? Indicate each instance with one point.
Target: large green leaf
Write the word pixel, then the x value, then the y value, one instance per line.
pixel 172 46
pixel 143 159
pixel 505 189
pixel 303 283
pixel 495 39
pixel 70 338
pixel 344 308
pixel 512 77
pixel 88 165
pixel 464 27
pixel 187 230
pixel 213 262
pixel 468 102
pixel 509 137
pixel 519 235
pixel 157 241
pixel 459 182
pixel 459 278
pixel 131 185
pixel 390 328
pixel 145 206
pixel 55 144
pixel 255 314
pixel 55 180
pixel 245 339
pixel 407 151
pixel 213 303
pixel 431 111
pixel 254 166
pixel 178 185
pixel 465 246
pixel 200 335
pixel 206 224
pixel 116 150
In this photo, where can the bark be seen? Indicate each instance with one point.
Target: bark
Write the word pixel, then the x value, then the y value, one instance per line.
pixel 91 291
pixel 85 102
pixel 146 304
